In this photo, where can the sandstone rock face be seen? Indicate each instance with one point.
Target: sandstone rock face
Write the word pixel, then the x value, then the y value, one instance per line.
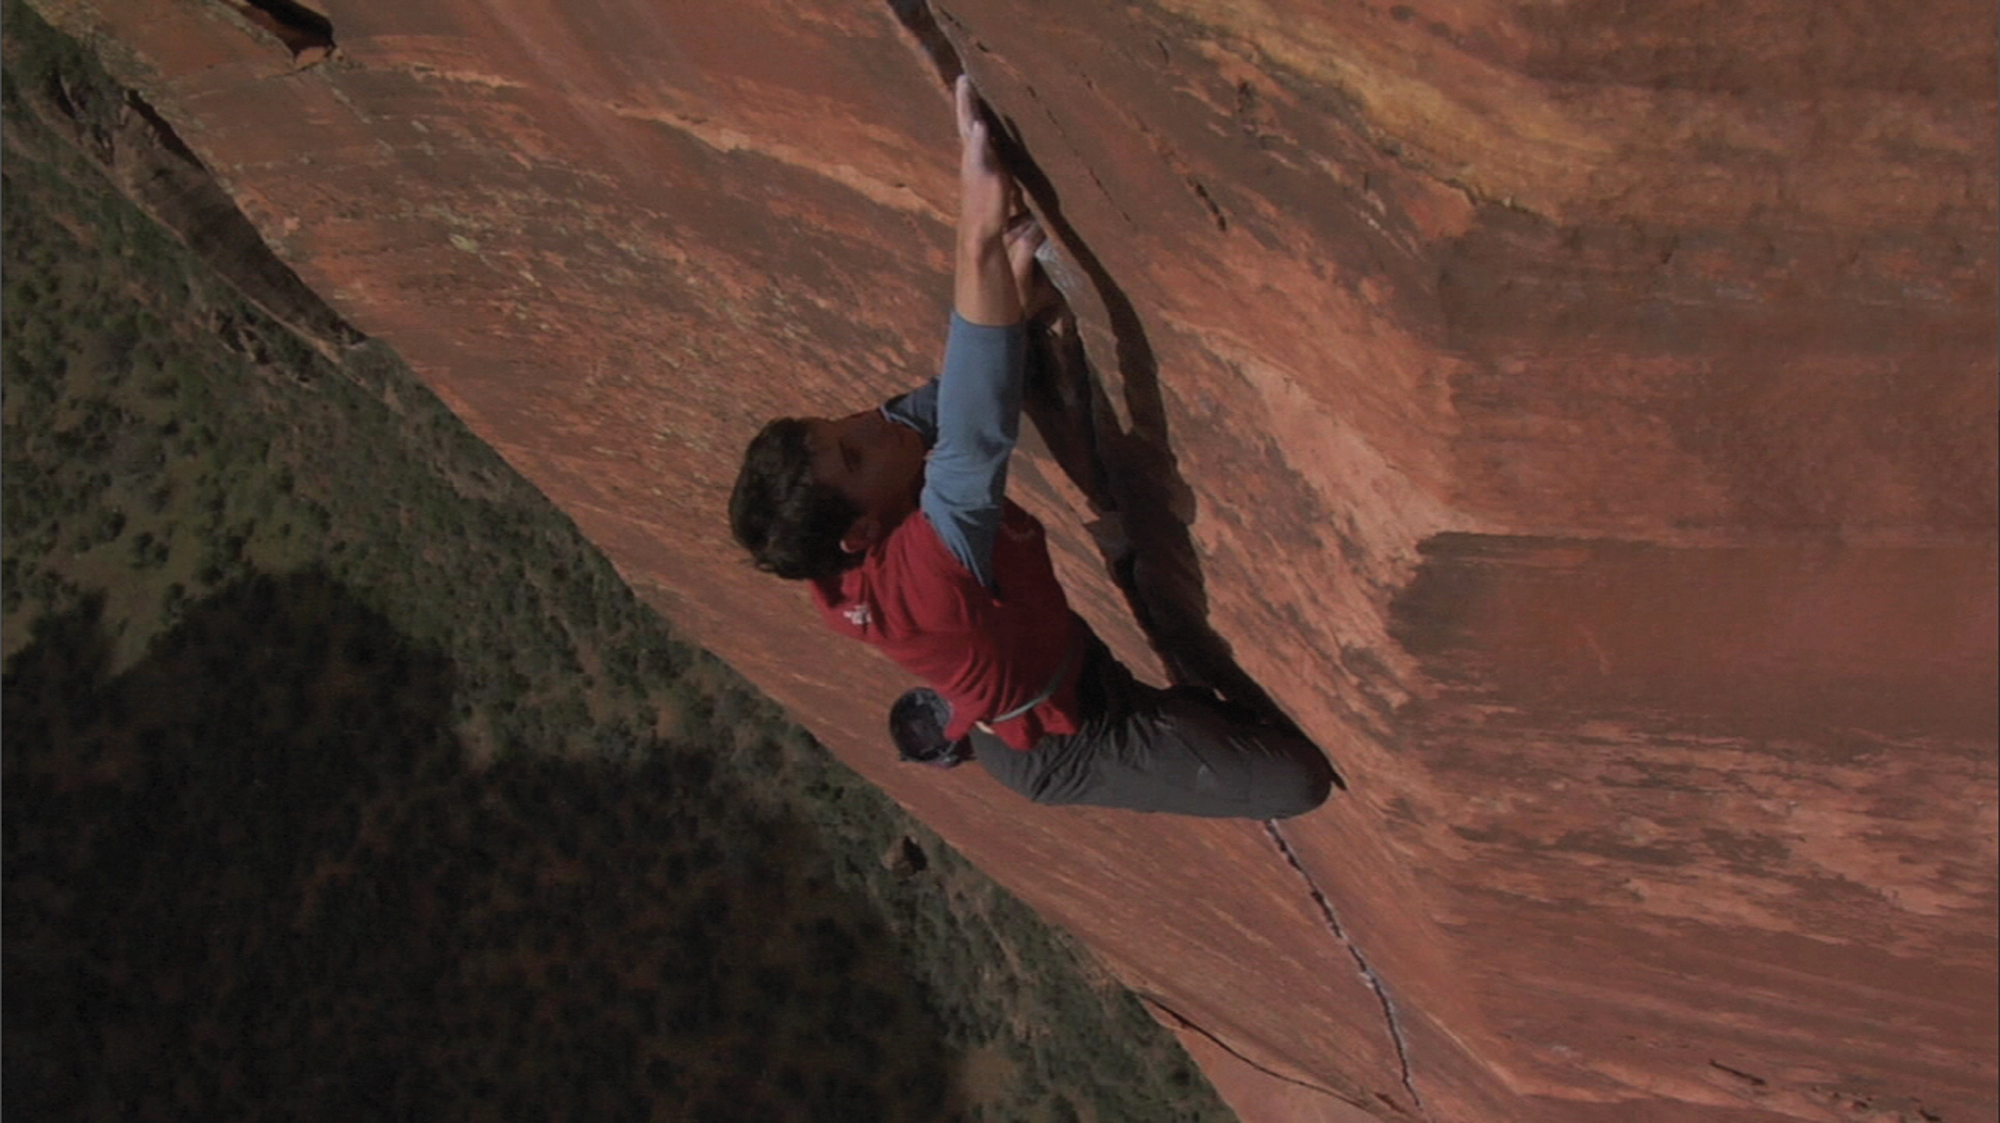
pixel 1579 416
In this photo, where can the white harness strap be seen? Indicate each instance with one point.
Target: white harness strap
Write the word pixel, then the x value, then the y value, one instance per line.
pixel 1049 691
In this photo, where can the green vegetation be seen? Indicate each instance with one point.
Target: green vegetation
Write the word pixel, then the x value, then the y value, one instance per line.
pixel 344 780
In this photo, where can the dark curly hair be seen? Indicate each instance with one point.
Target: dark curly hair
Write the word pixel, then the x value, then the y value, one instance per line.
pixel 791 523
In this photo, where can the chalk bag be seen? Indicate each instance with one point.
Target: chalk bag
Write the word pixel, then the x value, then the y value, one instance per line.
pixel 917 723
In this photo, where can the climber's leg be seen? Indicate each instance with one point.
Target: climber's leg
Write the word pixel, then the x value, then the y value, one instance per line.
pixel 1175 751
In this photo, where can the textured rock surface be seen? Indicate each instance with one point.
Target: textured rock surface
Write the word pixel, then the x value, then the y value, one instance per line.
pixel 1579 416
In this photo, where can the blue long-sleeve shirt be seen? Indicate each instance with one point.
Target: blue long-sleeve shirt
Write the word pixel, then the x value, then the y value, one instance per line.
pixel 970 416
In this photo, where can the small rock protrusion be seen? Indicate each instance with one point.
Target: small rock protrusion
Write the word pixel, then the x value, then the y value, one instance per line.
pixel 905 858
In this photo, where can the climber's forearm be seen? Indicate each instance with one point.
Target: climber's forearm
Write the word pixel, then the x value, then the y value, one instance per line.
pixel 983 289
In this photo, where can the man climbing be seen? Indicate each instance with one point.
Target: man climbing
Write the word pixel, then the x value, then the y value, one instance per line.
pixel 898 518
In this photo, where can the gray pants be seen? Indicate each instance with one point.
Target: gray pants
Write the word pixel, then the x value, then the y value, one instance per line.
pixel 1179 751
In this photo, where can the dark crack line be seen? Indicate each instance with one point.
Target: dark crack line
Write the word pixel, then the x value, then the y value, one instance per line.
pixel 1374 981
pixel 1187 1023
pixel 945 47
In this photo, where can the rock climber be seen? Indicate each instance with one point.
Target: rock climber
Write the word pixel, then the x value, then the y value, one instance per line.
pixel 898 519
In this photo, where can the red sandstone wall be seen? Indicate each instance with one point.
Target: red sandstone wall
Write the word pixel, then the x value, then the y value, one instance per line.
pixel 1580 416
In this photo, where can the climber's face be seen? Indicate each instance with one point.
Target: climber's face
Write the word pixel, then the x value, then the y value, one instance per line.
pixel 874 462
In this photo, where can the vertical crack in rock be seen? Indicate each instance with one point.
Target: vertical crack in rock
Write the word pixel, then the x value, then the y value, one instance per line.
pixel 1130 476
pixel 307 33
pixel 1133 476
pixel 916 18
pixel 1368 974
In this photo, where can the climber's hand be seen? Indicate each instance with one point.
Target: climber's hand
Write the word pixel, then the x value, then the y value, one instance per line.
pixel 984 290
pixel 987 190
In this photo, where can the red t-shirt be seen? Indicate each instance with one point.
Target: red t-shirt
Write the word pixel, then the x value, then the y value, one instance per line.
pixel 988 652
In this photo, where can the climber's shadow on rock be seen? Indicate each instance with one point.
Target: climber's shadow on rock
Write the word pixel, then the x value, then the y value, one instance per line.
pixel 1127 470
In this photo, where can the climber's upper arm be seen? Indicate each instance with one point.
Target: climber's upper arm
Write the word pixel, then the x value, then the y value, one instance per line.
pixel 979 419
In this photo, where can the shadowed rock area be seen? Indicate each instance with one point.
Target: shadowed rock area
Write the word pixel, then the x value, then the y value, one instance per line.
pixel 1578 417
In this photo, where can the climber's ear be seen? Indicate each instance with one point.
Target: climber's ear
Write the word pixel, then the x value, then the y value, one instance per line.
pixel 866 531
